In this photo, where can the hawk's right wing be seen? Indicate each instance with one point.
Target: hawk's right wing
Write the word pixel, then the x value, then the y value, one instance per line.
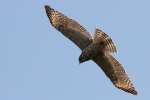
pixel 69 27
pixel 115 72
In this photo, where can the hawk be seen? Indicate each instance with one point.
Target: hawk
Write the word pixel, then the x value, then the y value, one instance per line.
pixel 98 48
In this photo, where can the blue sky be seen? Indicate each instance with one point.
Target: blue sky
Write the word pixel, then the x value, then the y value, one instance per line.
pixel 38 63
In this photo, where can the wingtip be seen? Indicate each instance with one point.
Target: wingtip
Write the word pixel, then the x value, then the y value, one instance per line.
pixel 135 92
pixel 47 6
pixel 129 90
pixel 132 91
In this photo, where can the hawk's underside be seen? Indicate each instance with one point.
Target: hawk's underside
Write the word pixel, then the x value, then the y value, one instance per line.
pixel 98 49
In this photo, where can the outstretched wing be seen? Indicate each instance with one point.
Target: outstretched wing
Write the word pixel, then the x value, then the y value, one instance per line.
pixel 69 27
pixel 115 72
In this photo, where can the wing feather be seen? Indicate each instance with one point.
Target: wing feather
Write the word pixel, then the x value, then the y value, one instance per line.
pixel 69 28
pixel 115 72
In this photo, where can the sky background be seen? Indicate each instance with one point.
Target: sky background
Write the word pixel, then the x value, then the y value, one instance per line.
pixel 39 63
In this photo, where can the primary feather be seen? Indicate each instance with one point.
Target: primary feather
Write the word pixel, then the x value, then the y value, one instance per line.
pixel 69 27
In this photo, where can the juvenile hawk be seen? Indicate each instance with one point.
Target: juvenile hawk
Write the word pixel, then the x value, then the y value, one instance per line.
pixel 97 48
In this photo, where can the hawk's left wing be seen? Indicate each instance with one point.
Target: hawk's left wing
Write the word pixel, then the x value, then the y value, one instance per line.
pixel 115 72
pixel 111 67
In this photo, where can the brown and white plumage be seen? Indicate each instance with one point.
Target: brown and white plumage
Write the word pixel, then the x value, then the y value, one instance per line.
pixel 98 49
pixel 102 36
pixel 69 27
pixel 115 72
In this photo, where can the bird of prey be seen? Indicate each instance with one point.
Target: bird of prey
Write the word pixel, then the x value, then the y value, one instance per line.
pixel 98 48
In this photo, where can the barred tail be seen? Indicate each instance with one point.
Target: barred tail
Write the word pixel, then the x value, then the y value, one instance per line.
pixel 102 36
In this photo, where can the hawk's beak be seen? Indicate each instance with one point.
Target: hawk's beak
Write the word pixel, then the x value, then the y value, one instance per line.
pixel 80 61
pixel 47 7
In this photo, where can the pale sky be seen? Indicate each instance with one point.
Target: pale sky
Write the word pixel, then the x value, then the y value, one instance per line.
pixel 38 63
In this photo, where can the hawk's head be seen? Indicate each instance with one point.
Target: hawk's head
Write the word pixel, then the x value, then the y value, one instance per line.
pixel 83 58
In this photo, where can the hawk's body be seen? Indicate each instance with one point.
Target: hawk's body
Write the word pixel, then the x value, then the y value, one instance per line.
pixel 98 49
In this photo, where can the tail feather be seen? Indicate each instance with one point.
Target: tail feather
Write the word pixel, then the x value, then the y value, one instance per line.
pixel 100 36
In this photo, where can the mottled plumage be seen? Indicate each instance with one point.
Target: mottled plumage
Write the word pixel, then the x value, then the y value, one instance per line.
pixel 70 28
pixel 102 44
pixel 98 48
pixel 102 36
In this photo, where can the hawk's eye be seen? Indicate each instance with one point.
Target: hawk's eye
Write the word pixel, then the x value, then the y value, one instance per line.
pixel 60 27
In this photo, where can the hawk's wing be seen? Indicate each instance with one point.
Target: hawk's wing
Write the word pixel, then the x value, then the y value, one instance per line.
pixel 69 27
pixel 115 72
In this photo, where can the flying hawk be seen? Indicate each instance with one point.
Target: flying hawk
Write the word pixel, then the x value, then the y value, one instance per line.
pixel 98 48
